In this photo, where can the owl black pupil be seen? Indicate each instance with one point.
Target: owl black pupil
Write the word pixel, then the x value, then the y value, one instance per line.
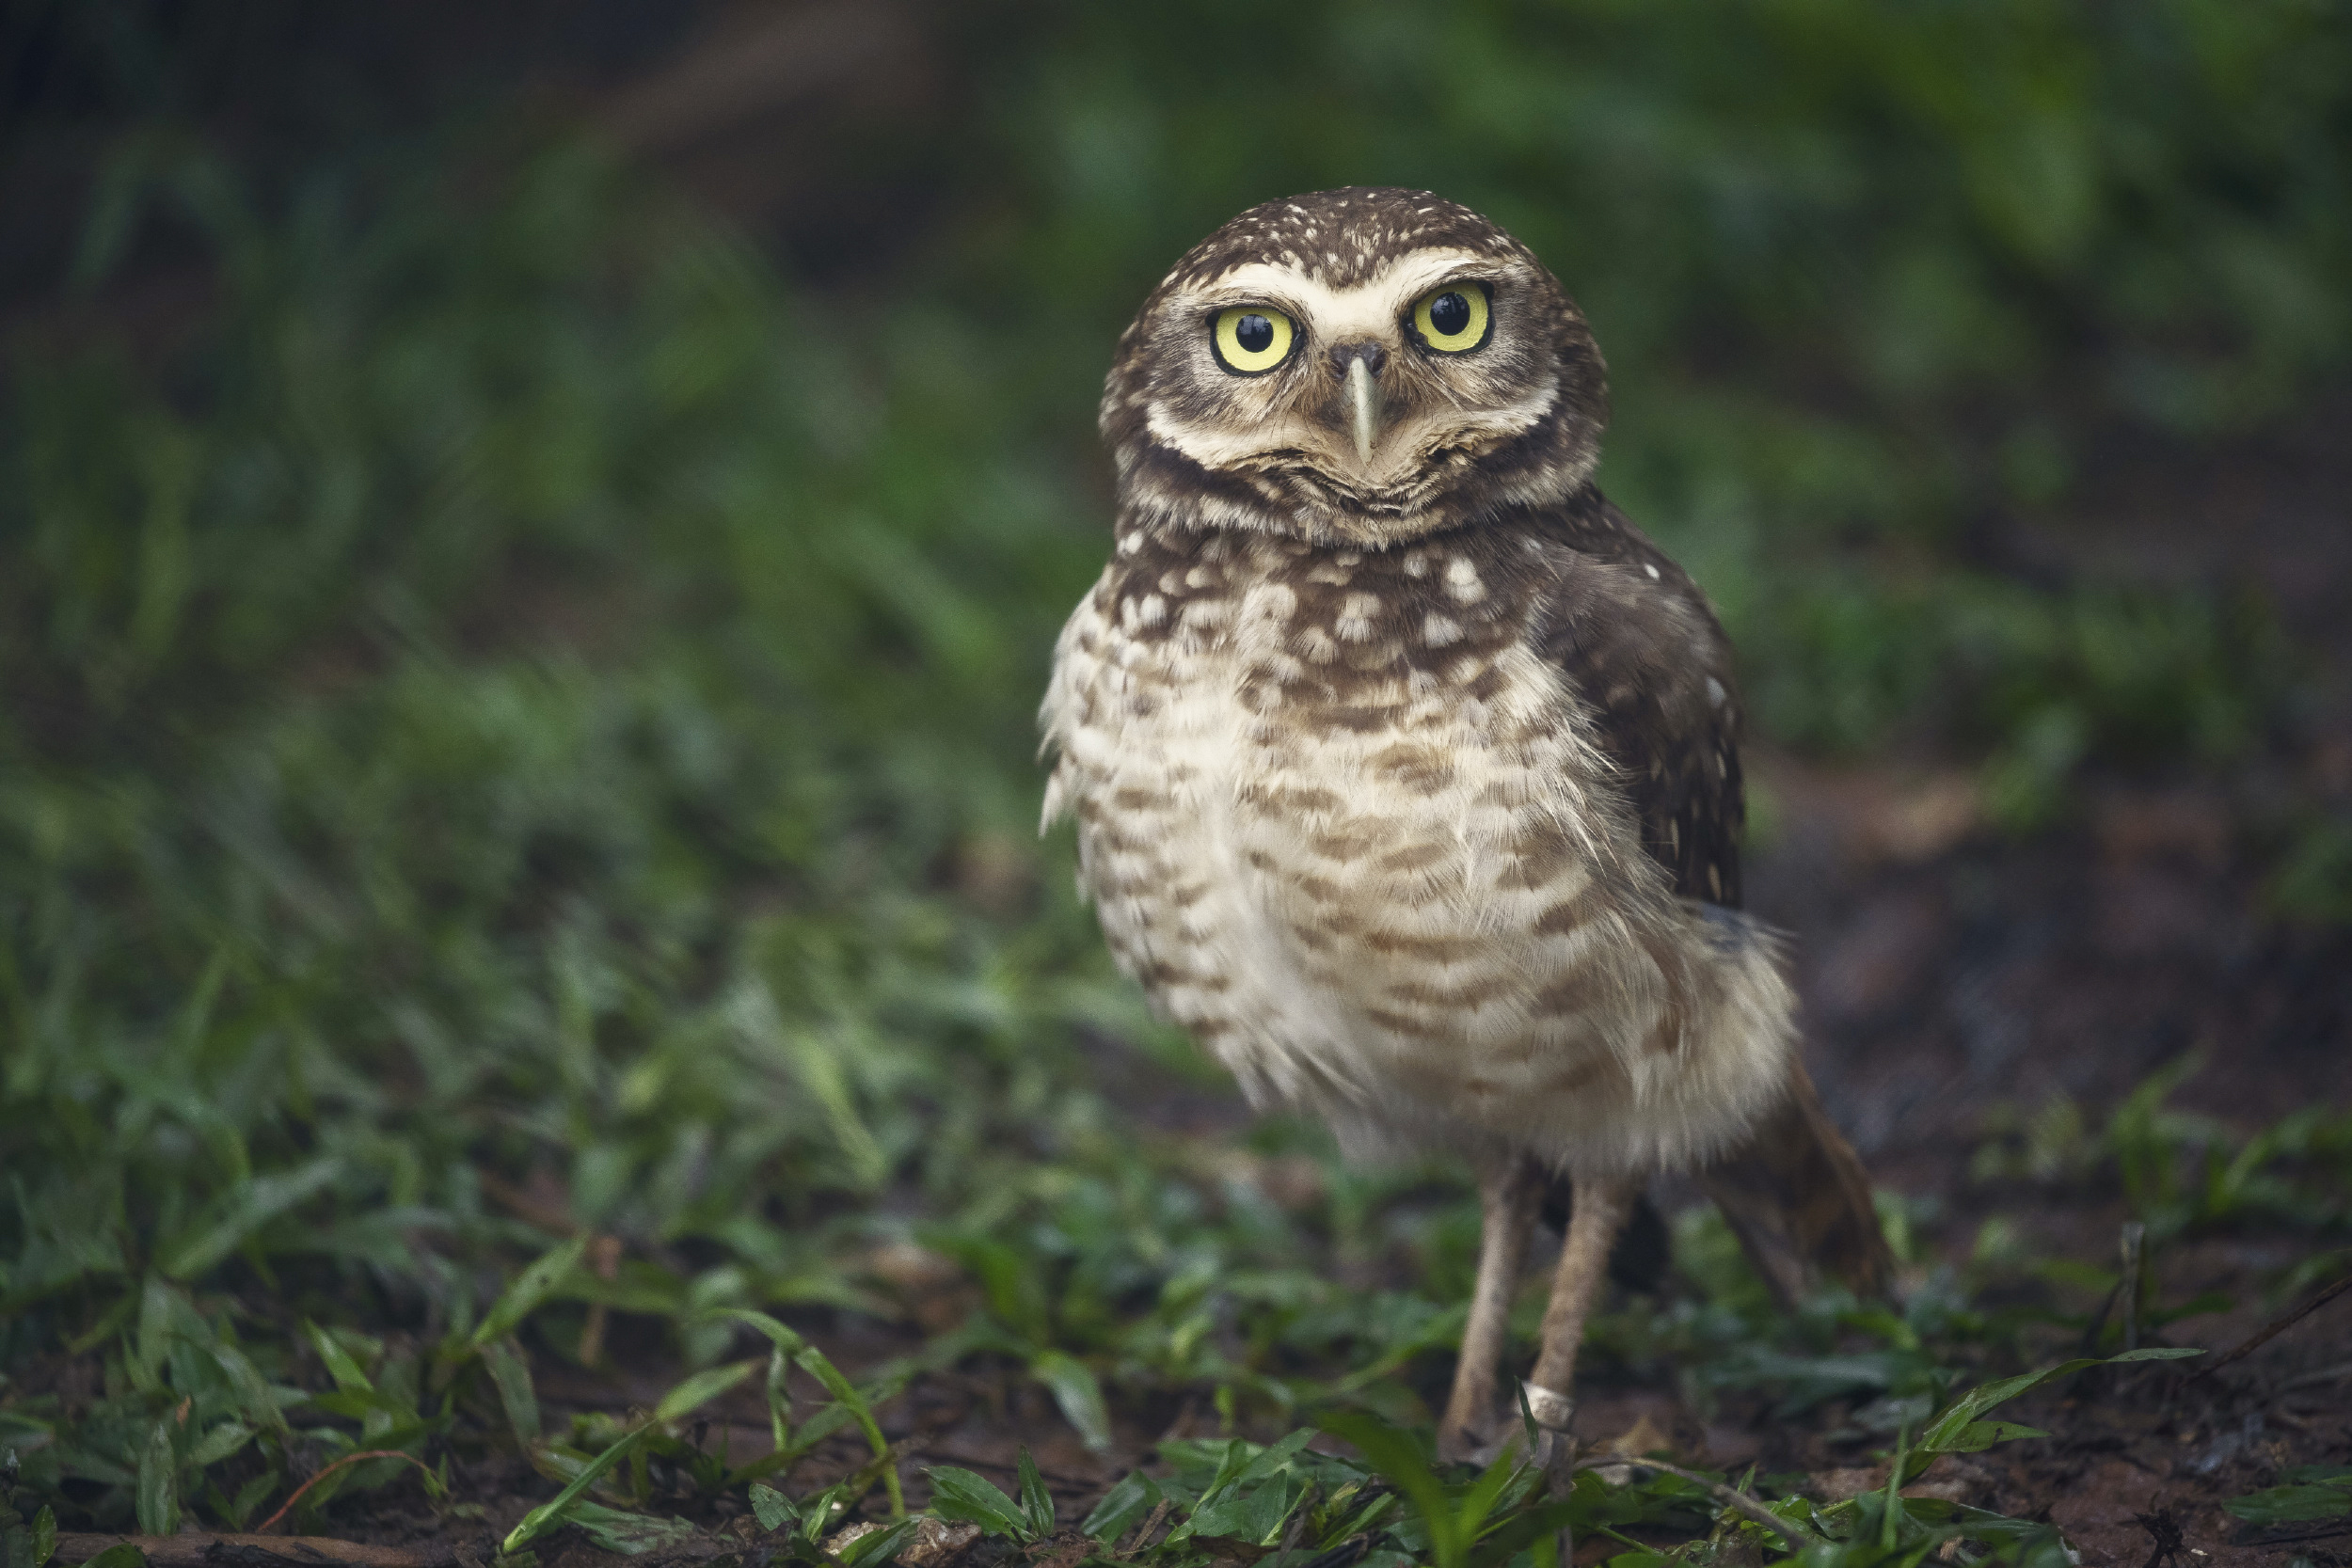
pixel 1449 314
pixel 1255 334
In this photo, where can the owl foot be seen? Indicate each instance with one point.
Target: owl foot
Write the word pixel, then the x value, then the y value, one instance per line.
pixel 1481 1443
pixel 1552 1414
pixel 1468 1445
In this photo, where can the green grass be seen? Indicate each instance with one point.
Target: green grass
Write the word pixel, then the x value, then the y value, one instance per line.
pixel 518 731
pixel 2180 1170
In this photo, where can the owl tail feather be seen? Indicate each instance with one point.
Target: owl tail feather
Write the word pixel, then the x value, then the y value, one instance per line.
pixel 1796 1195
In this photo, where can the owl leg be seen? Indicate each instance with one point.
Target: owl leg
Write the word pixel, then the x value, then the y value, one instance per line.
pixel 1509 1198
pixel 1602 1205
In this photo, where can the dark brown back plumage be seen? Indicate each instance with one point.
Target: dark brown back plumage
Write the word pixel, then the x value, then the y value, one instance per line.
pixel 1794 1192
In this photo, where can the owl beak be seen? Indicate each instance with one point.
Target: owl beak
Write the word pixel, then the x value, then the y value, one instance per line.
pixel 1363 407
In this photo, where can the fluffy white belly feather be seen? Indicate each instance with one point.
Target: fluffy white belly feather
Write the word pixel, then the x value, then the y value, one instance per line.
pixel 1401 893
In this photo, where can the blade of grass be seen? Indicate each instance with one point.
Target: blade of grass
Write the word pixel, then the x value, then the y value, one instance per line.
pixel 511 1375
pixel 158 1493
pixel 1891 1506
pixel 779 1400
pixel 960 1494
pixel 680 1401
pixel 815 1362
pixel 535 1523
pixel 700 1389
pixel 531 1288
pixel 1396 1456
pixel 1078 1393
pixel 1957 1425
pixel 346 1372
pixel 1036 1502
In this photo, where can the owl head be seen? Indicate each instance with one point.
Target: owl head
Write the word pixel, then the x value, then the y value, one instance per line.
pixel 1358 366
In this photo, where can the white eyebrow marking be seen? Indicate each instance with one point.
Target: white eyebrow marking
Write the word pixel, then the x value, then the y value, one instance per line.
pixel 1368 309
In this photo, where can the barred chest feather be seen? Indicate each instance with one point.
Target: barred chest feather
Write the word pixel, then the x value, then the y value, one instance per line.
pixel 1348 828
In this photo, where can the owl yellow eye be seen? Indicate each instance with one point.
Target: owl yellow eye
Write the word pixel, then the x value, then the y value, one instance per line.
pixel 1454 319
pixel 1252 339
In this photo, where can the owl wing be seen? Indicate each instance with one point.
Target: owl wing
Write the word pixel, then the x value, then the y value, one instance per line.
pixel 1636 637
pixel 1635 634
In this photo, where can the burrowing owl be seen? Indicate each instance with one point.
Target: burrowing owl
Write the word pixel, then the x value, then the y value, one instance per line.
pixel 1405 768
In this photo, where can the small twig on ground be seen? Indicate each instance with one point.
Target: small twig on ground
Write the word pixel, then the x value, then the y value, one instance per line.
pixel 2164 1531
pixel 1797 1537
pixel 347 1459
pixel 1142 1536
pixel 298 1551
pixel 2277 1328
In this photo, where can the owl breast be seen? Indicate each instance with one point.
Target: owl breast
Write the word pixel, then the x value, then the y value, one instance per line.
pixel 1349 830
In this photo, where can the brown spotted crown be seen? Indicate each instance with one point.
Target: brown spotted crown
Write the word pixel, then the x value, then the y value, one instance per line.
pixel 1358 366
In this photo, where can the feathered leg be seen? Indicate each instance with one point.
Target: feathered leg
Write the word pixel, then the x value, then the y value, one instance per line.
pixel 1508 1200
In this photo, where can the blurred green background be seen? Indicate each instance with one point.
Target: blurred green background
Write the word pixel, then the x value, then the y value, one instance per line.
pixel 529 542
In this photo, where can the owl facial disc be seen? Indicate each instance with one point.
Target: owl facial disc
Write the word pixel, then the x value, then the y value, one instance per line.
pixel 1366 365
